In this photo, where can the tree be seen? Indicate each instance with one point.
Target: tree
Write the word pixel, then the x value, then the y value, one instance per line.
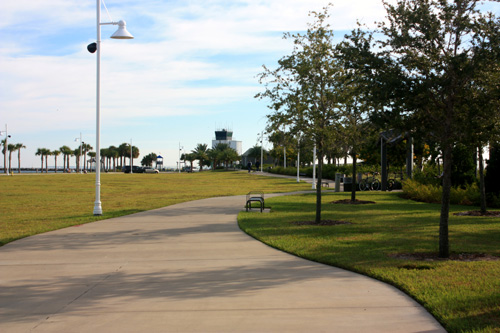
pixel 55 153
pixel 201 154
pixel 124 151
pixel 303 90
pixel 255 153
pixel 86 148
pixel 431 52
pixel 76 153
pixel 149 159
pixel 92 155
pixel 11 148
pixel 114 154
pixel 65 151
pixel 43 152
pixel 19 146
pixel 191 157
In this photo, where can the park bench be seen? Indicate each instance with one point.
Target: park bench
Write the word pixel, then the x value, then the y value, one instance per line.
pixel 325 184
pixel 255 196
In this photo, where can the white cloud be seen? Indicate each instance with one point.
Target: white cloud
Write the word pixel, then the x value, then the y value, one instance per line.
pixel 193 58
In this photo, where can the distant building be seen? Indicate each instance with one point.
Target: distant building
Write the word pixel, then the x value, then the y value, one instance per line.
pixel 225 136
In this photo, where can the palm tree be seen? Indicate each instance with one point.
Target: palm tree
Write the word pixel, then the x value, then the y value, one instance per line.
pixel 113 154
pixel 189 157
pixel 86 148
pixel 11 148
pixel 55 153
pixel 124 151
pixel 40 152
pixel 19 146
pixel 105 157
pixel 77 155
pixel 201 154
pixel 92 155
pixel 65 150
pixel 46 153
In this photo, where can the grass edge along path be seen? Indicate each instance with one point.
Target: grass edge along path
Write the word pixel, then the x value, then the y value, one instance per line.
pixel 37 203
pixel 463 295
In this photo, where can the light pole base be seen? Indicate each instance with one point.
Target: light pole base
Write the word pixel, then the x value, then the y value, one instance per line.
pixel 97 209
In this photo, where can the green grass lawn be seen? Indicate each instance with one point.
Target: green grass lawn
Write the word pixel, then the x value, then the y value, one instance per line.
pixel 463 295
pixel 32 204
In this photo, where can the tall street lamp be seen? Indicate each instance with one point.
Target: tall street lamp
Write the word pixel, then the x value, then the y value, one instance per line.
pixel 131 160
pixel 81 144
pixel 121 33
pixel 298 158
pixel 261 150
pixel 7 136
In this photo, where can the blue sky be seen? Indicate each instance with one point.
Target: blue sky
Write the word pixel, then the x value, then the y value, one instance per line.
pixel 190 69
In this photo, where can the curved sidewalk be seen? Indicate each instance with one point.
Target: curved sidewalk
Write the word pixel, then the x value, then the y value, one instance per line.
pixel 186 268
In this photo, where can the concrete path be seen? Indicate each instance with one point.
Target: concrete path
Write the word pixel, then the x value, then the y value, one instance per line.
pixel 186 268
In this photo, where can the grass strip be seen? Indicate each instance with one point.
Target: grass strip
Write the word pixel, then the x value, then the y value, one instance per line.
pixel 33 204
pixel 463 295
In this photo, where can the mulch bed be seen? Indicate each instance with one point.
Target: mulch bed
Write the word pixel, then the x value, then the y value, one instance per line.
pixel 322 223
pixel 453 256
pixel 478 213
pixel 349 202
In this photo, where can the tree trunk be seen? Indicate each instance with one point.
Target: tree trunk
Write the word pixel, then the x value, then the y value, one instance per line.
pixel 10 161
pixel 444 245
pixel 353 190
pixel 46 164
pixel 481 181
pixel 318 184
pixel 19 161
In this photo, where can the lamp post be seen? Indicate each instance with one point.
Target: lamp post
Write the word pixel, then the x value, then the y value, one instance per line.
pixel 261 150
pixel 179 163
pixel 298 158
pixel 81 143
pixel 131 151
pixel 121 33
pixel 5 148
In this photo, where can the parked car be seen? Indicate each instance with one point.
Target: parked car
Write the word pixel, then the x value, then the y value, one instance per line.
pixel 151 170
pixel 135 169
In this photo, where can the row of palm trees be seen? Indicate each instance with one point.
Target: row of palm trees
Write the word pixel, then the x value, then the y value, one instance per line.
pixel 109 156
pixel 222 154
pixel 83 150
pixel 115 157
pixel 11 148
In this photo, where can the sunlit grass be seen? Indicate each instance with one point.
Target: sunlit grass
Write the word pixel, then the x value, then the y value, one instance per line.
pixel 464 296
pixel 31 204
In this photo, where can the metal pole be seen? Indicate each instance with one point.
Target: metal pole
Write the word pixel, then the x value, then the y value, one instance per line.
pixel 179 163
pixel 97 204
pixel 383 162
pixel 80 153
pixel 298 159
pixel 5 150
pixel 261 150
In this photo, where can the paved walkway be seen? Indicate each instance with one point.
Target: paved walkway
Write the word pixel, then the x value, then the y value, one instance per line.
pixel 186 268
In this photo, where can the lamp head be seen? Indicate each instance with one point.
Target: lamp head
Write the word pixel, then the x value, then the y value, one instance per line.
pixel 92 47
pixel 122 32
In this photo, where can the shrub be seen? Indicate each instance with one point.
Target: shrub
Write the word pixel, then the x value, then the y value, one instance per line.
pixel 413 190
